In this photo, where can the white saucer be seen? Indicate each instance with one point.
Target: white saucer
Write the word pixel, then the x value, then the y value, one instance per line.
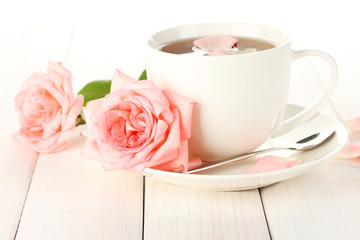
pixel 232 177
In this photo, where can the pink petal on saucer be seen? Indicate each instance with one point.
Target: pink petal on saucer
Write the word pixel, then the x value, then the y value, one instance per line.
pixel 350 151
pixel 353 124
pixel 219 53
pixel 215 43
pixel 272 163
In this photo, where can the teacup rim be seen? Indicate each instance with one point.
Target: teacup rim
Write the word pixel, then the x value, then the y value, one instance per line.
pixel 277 46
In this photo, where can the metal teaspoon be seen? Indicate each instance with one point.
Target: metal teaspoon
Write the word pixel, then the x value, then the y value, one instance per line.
pixel 307 143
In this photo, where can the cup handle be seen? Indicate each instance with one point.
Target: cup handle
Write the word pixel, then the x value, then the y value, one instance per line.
pixel 311 110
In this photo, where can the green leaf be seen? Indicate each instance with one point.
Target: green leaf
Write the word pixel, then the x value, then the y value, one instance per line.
pixel 95 90
pixel 143 76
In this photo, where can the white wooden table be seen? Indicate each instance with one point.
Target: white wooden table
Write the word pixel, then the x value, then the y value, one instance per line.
pixel 65 196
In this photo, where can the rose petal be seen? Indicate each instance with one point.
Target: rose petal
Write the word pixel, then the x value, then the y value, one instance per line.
pixel 73 113
pixel 51 91
pixel 180 164
pixel 117 162
pixel 119 80
pixel 147 152
pixel 59 68
pixel 215 43
pixel 228 52
pixel 145 88
pixel 194 162
pixel 90 150
pixel 272 163
pixel 53 126
pixel 185 107
pixel 169 150
pixel 47 121
pixel 135 126
pixel 122 81
pixel 34 79
pixel 350 151
pixel 55 143
pixel 353 124
pixel 58 72
pixel 154 100
pixel 173 166
pixel 90 110
pixel 60 143
pixel 20 98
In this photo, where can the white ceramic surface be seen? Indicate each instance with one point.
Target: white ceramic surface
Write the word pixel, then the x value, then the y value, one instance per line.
pixel 232 177
pixel 240 97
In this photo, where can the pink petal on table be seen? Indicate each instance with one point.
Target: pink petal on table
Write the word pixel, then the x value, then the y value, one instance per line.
pixel 272 163
pixel 353 124
pixel 350 151
pixel 215 43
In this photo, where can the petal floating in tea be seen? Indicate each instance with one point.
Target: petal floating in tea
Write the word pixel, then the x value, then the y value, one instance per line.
pixel 216 43
pixel 231 52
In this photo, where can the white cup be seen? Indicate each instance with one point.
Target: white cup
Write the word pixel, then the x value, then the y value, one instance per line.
pixel 241 98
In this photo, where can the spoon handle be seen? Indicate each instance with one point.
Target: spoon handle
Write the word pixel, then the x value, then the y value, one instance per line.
pixel 232 159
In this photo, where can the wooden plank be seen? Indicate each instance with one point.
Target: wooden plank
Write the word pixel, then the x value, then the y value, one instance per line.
pixel 74 198
pixel 322 204
pixel 177 213
pixel 26 46
pixel 16 167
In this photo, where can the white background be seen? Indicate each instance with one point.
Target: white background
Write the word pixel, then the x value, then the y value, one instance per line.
pixel 331 26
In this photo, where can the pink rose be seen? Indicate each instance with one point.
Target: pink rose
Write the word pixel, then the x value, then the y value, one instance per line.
pixel 47 109
pixel 138 126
